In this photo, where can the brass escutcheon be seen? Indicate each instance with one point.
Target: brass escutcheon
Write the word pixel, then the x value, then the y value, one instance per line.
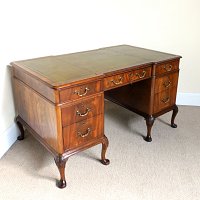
pixel 168 67
pixel 166 100
pixel 84 134
pixel 83 114
pixel 141 75
pixel 83 94
pixel 118 82
pixel 167 84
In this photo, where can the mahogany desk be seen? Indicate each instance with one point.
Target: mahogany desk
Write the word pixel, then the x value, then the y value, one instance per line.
pixel 60 99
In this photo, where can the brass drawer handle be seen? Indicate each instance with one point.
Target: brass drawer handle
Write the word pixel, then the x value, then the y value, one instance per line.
pixel 83 114
pixel 83 94
pixel 167 84
pixel 168 68
pixel 141 75
pixel 118 82
pixel 166 100
pixel 84 134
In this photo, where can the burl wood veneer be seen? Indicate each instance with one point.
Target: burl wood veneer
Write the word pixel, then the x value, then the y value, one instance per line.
pixel 60 99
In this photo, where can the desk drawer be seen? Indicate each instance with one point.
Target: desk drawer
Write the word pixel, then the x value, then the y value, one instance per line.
pixel 165 82
pixel 79 92
pixel 139 74
pixel 164 99
pixel 115 81
pixel 83 132
pixel 82 110
pixel 167 67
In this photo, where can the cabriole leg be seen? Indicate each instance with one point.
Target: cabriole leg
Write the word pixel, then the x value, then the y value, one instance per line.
pixel 104 161
pixel 21 128
pixel 149 122
pixel 60 162
pixel 174 113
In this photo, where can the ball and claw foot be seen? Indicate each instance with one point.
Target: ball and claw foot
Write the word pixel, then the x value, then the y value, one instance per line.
pixel 148 138
pixel 174 125
pixel 61 184
pixel 105 162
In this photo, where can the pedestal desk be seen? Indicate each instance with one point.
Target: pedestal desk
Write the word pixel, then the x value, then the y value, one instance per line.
pixel 60 99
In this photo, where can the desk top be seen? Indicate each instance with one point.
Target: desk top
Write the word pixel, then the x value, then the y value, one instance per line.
pixel 63 69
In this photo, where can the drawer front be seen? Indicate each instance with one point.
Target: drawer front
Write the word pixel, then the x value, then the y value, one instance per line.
pixel 167 67
pixel 164 99
pixel 165 82
pixel 115 81
pixel 83 110
pixel 80 91
pixel 139 74
pixel 83 132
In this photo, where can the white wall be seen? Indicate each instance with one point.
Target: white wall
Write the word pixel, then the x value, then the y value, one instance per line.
pixel 45 27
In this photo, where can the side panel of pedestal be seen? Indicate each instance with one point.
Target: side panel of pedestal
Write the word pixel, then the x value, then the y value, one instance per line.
pixel 39 113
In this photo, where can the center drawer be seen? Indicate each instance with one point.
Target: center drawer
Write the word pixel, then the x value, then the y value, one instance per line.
pixel 127 77
pixel 83 132
pixel 82 110
pixel 115 81
pixel 140 74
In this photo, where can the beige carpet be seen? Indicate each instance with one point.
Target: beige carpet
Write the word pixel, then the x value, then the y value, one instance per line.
pixel 166 169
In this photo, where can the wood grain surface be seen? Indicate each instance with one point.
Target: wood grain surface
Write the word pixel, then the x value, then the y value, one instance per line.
pixel 37 112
